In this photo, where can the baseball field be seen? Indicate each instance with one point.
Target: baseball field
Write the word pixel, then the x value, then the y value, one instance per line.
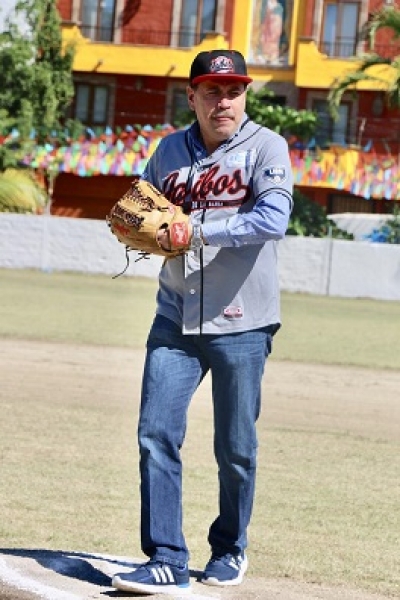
pixel 327 508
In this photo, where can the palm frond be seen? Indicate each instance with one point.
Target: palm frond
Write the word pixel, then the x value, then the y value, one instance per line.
pixel 20 192
pixel 366 70
pixel 386 17
pixel 393 90
pixel 372 60
pixel 349 82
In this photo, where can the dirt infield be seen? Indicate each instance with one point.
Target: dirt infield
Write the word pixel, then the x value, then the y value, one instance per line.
pixel 69 576
pixel 26 574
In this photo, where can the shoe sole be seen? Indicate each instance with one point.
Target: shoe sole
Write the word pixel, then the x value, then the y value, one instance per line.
pixel 213 581
pixel 168 590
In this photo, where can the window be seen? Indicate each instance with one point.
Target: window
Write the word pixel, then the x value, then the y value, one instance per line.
pixel 197 17
pixel 330 131
pixel 340 25
pixel 91 104
pixel 97 18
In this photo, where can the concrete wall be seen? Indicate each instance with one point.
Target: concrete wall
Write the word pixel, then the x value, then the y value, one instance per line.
pixel 310 265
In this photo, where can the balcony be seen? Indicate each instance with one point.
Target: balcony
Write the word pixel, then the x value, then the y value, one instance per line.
pixel 97 34
pixel 349 47
pixel 124 58
pixel 339 47
pixel 182 38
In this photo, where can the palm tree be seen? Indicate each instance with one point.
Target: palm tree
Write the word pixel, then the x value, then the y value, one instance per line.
pixel 368 69
pixel 20 192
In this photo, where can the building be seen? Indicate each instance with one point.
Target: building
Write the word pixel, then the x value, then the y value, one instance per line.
pixel 133 58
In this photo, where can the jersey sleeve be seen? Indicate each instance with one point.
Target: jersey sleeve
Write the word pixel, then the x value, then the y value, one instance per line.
pixel 272 186
pixel 273 169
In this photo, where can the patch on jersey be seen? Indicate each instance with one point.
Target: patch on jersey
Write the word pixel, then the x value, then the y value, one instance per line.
pixel 233 312
pixel 241 159
pixel 276 174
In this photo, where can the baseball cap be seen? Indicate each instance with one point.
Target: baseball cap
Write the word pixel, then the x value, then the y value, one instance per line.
pixel 219 65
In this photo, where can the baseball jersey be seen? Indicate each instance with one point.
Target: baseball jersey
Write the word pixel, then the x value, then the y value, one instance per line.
pixel 241 194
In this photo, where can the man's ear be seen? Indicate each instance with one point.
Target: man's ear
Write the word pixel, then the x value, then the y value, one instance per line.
pixel 190 97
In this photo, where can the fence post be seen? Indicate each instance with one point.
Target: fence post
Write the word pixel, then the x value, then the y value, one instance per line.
pixel 330 255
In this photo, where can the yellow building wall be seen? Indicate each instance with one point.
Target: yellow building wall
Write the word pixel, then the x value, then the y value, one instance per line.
pixel 316 70
pixel 165 61
pixel 307 67
pixel 127 59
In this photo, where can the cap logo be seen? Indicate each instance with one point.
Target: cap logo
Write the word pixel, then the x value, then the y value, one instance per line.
pixel 222 64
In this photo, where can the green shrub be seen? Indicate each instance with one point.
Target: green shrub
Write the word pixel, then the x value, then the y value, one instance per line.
pixel 309 219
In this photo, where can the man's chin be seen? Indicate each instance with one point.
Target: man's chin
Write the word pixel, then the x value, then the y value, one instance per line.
pixel 224 130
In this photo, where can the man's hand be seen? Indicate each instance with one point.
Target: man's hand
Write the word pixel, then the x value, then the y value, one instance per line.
pixel 163 237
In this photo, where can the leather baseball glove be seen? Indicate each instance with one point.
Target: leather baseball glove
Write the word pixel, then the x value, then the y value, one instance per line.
pixel 141 213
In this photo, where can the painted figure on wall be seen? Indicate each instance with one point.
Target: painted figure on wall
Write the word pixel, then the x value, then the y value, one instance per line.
pixel 270 32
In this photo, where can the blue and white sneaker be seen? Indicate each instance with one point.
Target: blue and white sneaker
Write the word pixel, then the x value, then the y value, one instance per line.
pixel 225 570
pixel 154 577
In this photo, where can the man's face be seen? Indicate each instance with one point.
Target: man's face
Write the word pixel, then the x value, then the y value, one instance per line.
pixel 219 108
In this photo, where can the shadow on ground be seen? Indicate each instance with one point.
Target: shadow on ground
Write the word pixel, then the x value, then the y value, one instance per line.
pixel 37 571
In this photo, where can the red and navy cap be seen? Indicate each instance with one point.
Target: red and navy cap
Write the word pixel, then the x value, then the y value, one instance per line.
pixel 219 65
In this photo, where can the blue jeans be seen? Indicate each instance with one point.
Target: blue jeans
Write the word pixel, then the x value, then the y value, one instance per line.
pixel 175 365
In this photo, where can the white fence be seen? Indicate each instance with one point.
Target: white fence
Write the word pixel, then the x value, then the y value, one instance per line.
pixel 309 265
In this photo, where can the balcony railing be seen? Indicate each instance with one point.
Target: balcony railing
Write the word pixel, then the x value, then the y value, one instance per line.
pixel 340 47
pixel 97 34
pixel 349 47
pixel 183 38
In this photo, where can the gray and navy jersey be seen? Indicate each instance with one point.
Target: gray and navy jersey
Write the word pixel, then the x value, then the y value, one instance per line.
pixel 242 196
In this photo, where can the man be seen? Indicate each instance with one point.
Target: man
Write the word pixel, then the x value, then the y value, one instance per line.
pixel 217 310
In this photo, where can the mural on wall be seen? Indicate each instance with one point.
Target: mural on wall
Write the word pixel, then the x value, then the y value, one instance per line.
pixel 270 35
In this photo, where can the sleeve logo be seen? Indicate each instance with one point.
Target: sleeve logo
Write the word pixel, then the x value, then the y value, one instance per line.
pixel 276 174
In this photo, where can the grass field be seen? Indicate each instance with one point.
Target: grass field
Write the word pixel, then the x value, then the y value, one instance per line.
pixel 99 310
pixel 328 494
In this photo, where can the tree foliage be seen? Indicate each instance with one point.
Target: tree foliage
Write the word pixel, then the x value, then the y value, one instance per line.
pixel 387 18
pixel 285 120
pixel 309 219
pixel 36 85
pixel 262 108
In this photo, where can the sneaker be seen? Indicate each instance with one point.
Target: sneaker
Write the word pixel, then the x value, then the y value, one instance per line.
pixel 154 577
pixel 225 570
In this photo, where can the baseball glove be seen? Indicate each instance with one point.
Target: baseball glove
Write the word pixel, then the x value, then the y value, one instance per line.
pixel 141 212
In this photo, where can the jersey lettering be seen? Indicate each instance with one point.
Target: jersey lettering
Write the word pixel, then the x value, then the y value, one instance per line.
pixel 208 189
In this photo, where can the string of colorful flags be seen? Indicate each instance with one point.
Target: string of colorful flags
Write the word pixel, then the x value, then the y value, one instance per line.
pixel 360 172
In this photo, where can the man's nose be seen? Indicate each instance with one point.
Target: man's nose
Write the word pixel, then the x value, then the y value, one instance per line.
pixel 224 102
